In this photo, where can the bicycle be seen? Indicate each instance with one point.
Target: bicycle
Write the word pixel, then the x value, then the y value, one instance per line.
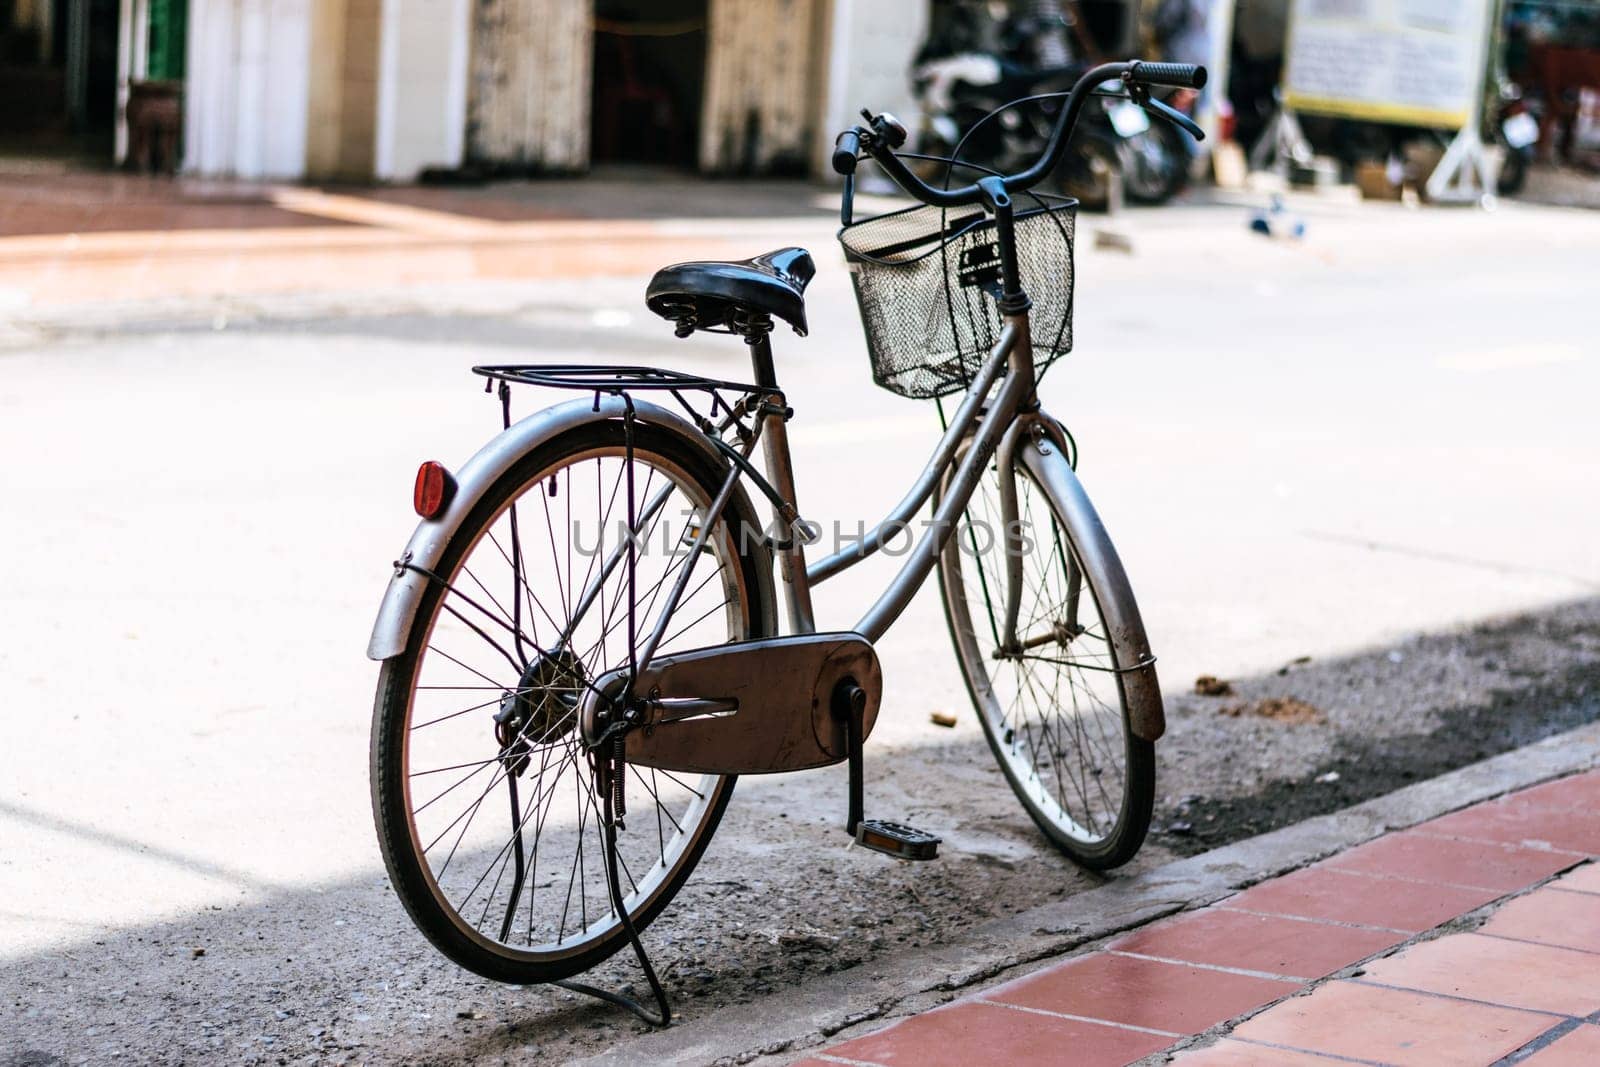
pixel 628 662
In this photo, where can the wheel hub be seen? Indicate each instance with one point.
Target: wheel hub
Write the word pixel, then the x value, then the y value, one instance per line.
pixel 1060 632
pixel 542 709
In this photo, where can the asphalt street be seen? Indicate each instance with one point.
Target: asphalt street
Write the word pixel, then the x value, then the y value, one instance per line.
pixel 1317 448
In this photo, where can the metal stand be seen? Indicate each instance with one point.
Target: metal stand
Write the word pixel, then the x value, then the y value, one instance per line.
pixel 1468 171
pixel 1113 233
pixel 1281 144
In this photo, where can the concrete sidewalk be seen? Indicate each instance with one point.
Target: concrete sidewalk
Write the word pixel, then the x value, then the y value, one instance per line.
pixel 1470 939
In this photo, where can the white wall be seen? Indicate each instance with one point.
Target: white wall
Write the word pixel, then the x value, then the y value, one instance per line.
pixel 870 48
pixel 246 99
pixel 422 86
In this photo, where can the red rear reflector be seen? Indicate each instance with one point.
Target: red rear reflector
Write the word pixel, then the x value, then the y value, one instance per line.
pixel 433 490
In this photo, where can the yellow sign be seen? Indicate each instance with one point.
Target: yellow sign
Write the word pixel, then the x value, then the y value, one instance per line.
pixel 1409 62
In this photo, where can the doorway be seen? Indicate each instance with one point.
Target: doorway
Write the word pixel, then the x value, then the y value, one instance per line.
pixel 649 81
pixel 58 78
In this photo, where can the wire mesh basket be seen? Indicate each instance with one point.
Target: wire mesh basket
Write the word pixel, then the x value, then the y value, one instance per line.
pixel 925 279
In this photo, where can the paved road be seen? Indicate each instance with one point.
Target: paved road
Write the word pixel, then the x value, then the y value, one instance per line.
pixel 1302 448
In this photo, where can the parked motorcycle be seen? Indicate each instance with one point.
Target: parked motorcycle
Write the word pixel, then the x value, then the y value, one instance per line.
pixel 958 93
pixel 975 62
pixel 1116 142
pixel 1155 157
pixel 1516 128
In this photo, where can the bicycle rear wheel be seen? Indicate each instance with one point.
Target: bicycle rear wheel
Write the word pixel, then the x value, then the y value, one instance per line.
pixel 486 807
pixel 1054 711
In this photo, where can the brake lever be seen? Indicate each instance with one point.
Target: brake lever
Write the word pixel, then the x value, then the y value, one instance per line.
pixel 1174 116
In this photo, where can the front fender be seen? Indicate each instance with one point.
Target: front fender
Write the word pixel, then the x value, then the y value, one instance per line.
pixel 426 547
pixel 1117 606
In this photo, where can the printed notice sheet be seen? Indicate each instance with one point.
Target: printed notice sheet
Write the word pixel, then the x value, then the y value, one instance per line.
pixel 1411 62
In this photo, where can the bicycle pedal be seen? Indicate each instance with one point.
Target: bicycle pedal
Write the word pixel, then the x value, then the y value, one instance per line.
pixel 897 839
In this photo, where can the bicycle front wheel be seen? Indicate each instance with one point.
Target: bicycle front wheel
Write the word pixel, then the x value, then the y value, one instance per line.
pixel 486 806
pixel 1052 705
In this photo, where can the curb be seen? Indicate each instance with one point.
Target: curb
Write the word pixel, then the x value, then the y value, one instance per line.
pixel 831 1006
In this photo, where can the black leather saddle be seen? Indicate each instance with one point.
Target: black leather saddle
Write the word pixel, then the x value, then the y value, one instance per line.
pixel 705 296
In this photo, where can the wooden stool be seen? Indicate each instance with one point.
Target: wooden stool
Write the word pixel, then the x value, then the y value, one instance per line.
pixel 155 123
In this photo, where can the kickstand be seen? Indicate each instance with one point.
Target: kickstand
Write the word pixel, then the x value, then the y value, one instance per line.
pixel 604 767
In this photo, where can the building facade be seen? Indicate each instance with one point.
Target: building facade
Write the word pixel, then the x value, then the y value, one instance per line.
pixel 390 90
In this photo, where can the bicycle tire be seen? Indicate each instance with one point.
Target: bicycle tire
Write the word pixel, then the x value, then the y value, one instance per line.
pixel 1123 837
pixel 1088 171
pixel 1155 165
pixel 408 866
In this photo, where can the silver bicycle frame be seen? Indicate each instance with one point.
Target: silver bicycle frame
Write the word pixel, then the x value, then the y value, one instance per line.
pixel 990 421
pixel 994 422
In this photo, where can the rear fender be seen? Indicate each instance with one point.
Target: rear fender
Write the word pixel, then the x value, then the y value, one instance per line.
pixel 426 548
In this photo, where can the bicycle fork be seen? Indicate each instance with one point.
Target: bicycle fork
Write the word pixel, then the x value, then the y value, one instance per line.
pixel 1040 434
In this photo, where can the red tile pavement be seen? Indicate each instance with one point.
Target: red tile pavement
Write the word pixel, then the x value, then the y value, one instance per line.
pixel 1580 1048
pixel 1581 791
pixel 969 1033
pixel 1174 997
pixel 1479 864
pixel 1393 1026
pixel 62 270
pixel 102 203
pixel 1231 1053
pixel 1519 820
pixel 1352 897
pixel 1551 917
pixel 73 239
pixel 1514 973
pixel 1583 880
pixel 1527 976
pixel 1290 948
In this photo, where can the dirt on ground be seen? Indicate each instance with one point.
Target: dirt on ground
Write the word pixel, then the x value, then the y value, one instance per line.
pixel 1316 737
pixel 781 896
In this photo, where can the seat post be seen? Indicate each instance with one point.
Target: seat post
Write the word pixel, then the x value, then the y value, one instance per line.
pixel 760 342
pixel 790 535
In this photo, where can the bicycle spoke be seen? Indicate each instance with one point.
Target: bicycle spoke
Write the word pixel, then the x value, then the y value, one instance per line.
pixel 535 877
pixel 1055 703
pixel 492 702
pixel 458 663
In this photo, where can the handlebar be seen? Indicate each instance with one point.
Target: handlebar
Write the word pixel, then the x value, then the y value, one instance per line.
pixel 1134 73
pixel 846 150
pixel 1174 75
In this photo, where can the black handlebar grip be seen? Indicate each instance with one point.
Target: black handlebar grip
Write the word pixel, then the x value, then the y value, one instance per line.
pixel 1176 75
pixel 845 150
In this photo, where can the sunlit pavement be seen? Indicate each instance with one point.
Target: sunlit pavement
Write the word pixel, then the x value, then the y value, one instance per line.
pixel 1299 447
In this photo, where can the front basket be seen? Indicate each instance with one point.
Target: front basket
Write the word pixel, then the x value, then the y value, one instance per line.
pixel 925 282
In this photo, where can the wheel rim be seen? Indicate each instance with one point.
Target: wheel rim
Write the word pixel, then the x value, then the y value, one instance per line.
pixel 1054 711
pixel 460 766
pixel 1148 168
pixel 1088 176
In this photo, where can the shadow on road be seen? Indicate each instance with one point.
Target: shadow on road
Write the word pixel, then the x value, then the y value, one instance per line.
pixel 336 972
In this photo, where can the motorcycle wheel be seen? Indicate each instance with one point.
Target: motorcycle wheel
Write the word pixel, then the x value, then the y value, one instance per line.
pixel 1155 166
pixel 1087 173
pixel 1513 173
